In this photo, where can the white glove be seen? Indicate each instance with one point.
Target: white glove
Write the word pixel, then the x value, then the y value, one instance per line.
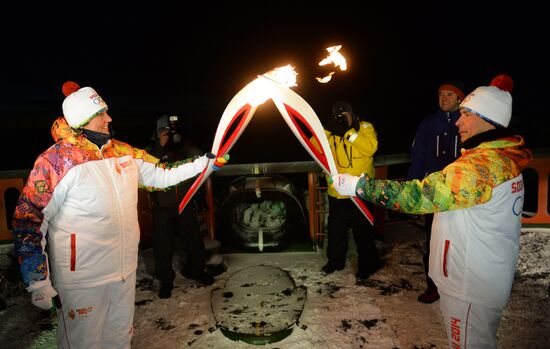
pixel 345 184
pixel 201 163
pixel 43 297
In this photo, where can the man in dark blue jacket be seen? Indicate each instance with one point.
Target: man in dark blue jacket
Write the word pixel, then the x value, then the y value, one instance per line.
pixel 435 145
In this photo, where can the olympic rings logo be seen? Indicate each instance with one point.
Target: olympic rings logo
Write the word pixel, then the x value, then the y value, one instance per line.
pixel 517 208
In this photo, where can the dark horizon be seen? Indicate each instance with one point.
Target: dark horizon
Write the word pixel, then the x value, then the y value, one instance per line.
pixel 147 60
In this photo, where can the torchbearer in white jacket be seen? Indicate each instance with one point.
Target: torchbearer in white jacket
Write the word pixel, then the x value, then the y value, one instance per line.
pixel 76 228
pixel 477 201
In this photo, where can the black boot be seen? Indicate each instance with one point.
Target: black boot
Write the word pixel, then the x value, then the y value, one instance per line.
pixel 202 277
pixel 166 289
pixel 329 269
pixel 430 295
pixel 205 279
pixel 362 275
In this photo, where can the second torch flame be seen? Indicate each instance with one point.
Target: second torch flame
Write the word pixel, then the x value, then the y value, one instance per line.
pixel 334 57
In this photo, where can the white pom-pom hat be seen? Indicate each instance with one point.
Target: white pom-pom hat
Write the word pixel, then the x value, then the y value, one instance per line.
pixel 492 103
pixel 81 104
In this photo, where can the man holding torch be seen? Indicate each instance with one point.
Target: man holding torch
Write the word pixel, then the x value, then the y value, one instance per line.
pixel 478 202
pixel 76 228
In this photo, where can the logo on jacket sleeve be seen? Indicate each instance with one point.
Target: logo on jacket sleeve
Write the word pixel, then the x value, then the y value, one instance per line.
pixel 517 186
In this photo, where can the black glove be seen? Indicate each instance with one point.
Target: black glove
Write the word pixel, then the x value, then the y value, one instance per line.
pixel 340 130
pixel 355 124
pixel 338 127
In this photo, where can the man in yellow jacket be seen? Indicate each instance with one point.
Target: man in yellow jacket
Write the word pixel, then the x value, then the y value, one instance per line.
pixel 353 144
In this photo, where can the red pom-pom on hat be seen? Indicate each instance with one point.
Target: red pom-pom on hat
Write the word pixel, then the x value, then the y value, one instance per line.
pixel 504 82
pixel 69 87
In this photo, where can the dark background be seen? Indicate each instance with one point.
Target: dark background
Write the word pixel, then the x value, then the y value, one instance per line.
pixel 147 59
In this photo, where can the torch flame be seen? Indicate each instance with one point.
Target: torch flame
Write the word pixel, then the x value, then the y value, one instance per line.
pixel 283 75
pixel 334 57
pixel 326 78
pixel 261 88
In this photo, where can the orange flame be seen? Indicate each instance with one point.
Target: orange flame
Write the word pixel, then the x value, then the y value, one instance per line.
pixel 334 57
pixel 261 92
pixel 326 78
pixel 284 75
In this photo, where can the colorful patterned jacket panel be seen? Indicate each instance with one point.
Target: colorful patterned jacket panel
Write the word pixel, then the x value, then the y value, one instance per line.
pixel 478 201
pixel 82 200
pixel 464 183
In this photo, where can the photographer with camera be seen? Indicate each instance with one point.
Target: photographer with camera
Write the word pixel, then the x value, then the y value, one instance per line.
pixel 353 144
pixel 171 146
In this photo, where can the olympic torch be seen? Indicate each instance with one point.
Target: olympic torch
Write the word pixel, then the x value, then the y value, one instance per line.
pixel 296 112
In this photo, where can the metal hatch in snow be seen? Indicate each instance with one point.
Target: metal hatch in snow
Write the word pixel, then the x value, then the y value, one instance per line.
pixel 258 305
pixel 262 213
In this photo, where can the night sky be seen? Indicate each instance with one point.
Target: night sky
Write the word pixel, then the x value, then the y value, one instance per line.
pixel 147 60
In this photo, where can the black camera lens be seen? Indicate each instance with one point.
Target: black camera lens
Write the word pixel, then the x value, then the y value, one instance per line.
pixel 341 119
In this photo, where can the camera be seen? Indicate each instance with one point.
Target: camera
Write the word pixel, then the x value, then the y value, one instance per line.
pixel 172 122
pixel 168 125
pixel 340 119
pixel 174 135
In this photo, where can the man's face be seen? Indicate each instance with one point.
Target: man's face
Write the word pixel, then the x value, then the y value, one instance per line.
pixel 163 137
pixel 470 124
pixel 100 123
pixel 349 117
pixel 448 101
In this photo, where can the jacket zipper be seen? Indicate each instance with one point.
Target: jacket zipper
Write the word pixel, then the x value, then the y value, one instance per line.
pixel 121 252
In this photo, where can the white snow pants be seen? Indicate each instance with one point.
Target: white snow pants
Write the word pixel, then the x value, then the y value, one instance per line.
pixel 468 325
pixel 98 317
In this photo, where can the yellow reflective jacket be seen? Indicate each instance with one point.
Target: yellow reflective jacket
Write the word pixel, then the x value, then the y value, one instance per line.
pixel 352 153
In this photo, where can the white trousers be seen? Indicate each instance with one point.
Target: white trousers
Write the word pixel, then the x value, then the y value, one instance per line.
pixel 97 318
pixel 468 325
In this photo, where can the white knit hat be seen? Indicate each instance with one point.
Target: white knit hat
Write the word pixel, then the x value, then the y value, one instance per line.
pixel 81 104
pixel 492 103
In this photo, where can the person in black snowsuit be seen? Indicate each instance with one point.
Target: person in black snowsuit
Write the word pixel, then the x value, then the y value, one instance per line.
pixel 168 224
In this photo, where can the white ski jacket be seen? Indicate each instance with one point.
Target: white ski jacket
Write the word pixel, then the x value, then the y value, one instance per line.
pixel 478 201
pixel 82 202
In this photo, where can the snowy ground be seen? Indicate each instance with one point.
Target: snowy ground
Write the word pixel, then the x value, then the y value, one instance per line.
pixel 384 313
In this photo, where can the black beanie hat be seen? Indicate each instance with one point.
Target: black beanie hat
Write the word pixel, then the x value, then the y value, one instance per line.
pixel 341 107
